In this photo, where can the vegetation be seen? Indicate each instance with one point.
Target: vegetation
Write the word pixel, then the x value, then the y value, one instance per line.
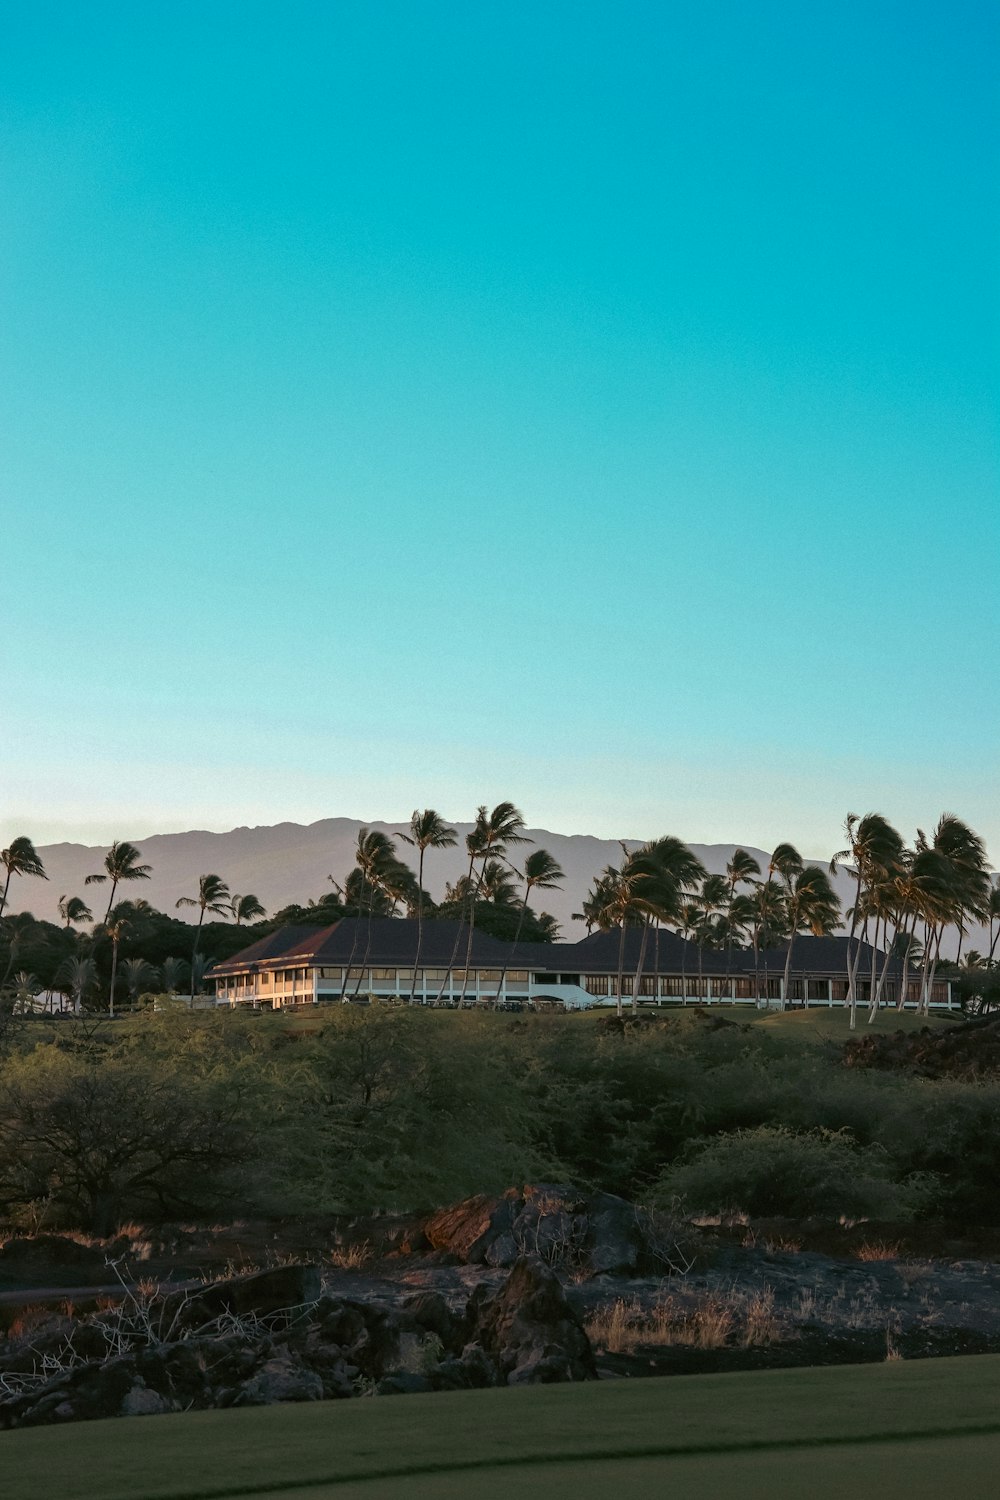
pixel 899 1428
pixel 162 1115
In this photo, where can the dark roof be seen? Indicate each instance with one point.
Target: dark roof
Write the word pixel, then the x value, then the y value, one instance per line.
pixel 387 942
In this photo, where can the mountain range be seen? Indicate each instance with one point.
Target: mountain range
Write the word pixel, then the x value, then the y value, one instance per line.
pixel 292 862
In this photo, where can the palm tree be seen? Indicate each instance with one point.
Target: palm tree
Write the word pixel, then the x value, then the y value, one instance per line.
pixel 993 917
pixel 27 987
pixel 491 834
pixel 20 859
pixel 245 909
pixel 114 925
pixel 875 851
pixel 74 909
pixel 213 895
pixel 120 863
pixel 541 872
pixel 139 975
pixel 428 830
pixel 812 905
pixel 956 886
pixel 78 974
pixel 172 973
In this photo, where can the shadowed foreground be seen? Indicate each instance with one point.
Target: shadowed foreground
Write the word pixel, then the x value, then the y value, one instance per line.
pixel 923 1428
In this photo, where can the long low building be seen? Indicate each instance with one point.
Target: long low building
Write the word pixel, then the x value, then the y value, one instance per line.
pixel 356 958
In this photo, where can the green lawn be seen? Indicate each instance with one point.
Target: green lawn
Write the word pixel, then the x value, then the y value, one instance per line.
pixel 916 1429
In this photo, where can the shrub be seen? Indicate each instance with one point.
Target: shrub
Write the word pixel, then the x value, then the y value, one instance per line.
pixel 775 1171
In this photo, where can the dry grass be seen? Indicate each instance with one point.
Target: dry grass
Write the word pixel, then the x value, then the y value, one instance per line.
pixel 710 1321
pixel 878 1250
pixel 350 1257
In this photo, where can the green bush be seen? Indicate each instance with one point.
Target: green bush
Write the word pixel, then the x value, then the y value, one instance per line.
pixel 776 1171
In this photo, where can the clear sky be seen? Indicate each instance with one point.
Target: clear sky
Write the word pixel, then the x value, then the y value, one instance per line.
pixel 590 404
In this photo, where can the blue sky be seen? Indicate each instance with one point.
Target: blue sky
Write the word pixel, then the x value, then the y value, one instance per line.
pixel 589 404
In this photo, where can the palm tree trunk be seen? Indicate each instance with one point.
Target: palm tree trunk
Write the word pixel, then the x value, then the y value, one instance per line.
pixel 642 958
pixel 513 947
pixel 788 965
pixel 114 975
pixel 621 966
pixel 194 952
pixel 458 938
pixel 420 924
pixel 852 959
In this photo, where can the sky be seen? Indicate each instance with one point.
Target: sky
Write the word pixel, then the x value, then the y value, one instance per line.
pixel 587 404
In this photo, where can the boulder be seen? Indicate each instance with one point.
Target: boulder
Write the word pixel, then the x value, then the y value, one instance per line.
pixel 282 1378
pixel 529 1330
pixel 286 1288
pixel 52 1260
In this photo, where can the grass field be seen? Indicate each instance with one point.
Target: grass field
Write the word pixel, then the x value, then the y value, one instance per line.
pixel 922 1429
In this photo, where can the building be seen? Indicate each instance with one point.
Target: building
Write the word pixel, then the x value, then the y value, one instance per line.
pixel 357 957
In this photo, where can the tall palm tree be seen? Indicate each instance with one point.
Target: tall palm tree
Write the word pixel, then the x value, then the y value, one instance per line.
pixel 114 925
pixel 491 835
pixel 812 906
pixel 428 830
pixel 20 859
pixel 875 853
pixel 120 863
pixel 956 888
pixel 543 873
pixel 213 895
pixel 245 909
pixel 74 909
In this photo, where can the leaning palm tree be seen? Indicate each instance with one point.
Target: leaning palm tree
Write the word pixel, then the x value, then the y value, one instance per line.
pixel 120 863
pixel 543 873
pixel 428 830
pixel 20 859
pixel 812 906
pixel 245 909
pixel 874 856
pixel 74 909
pixel 491 836
pixel 213 896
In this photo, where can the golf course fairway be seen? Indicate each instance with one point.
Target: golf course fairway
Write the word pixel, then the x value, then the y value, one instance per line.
pixel 917 1429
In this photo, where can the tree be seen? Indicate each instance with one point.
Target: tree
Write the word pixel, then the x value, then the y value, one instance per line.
pixel 172 973
pixel 541 872
pixel 27 988
pixel 78 975
pixel 114 925
pixel 812 906
pixel 120 863
pixel 491 834
pixel 245 909
pixel 109 1139
pixel 74 909
pixel 139 976
pixel 213 895
pixel 875 851
pixel 428 830
pixel 20 859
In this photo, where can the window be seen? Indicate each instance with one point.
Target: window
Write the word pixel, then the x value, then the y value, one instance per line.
pixel 745 989
pixel 626 984
pixel 794 989
pixel 266 980
pixel 331 973
pixel 647 985
pixel 672 987
pixel 816 989
pixel 597 984
pixel 722 989
pixel 434 974
pixel 384 974
pixel 489 976
pixel 520 975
